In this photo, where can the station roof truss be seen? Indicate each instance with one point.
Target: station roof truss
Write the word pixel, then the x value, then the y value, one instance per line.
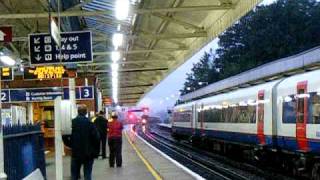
pixel 160 35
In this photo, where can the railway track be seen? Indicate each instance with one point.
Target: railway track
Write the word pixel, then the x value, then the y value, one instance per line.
pixel 202 165
pixel 224 165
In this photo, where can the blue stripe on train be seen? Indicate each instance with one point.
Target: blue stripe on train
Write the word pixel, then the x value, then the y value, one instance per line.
pixel 285 143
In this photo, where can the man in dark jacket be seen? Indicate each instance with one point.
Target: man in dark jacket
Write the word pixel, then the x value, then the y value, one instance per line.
pixel 115 141
pixel 84 142
pixel 102 125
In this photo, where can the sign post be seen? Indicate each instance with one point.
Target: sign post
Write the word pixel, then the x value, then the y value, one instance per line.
pixel 3 175
pixel 76 47
pixel 58 138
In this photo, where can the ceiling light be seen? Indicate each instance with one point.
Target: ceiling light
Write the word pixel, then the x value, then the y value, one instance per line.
pixel 117 40
pixel 115 56
pixel 114 67
pixel 7 60
pixel 114 74
pixel 122 9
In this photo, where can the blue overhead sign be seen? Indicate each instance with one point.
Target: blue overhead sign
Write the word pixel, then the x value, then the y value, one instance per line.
pixel 76 47
pixel 44 94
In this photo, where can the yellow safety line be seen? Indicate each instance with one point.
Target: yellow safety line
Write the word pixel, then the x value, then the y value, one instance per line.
pixel 144 160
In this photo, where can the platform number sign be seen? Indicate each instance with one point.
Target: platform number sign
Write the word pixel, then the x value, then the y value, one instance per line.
pixel 5 96
pixel 86 93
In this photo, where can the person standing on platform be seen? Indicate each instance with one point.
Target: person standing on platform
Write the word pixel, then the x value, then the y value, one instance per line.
pixel 84 143
pixel 102 125
pixel 115 141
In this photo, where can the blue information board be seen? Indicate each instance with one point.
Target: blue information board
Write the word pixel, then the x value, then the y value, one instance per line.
pixel 44 94
pixel 75 47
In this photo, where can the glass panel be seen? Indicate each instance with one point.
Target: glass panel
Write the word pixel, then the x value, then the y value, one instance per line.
pixel 301 107
pixel 314 108
pixel 289 110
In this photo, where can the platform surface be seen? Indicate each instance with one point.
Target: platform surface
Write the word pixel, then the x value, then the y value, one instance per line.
pixel 133 167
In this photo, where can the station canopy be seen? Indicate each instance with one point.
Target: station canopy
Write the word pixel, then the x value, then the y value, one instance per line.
pixel 159 35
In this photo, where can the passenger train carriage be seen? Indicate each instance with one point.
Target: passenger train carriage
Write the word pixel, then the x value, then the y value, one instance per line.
pixel 278 116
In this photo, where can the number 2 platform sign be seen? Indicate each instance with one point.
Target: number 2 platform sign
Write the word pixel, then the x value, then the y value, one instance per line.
pixel 76 47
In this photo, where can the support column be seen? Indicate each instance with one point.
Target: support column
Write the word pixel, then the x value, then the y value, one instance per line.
pixel 72 97
pixel 58 139
pixel 30 113
pixel 3 175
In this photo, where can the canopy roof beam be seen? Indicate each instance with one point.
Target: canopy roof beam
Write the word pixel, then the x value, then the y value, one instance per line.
pixel 98 13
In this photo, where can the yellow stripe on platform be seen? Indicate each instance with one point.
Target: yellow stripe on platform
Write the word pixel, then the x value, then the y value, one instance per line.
pixel 155 174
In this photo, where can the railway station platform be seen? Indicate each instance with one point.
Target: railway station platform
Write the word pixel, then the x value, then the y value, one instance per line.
pixel 140 162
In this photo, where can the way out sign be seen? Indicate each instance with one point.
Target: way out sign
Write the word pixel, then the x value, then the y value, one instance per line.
pixel 76 47
pixel 6 34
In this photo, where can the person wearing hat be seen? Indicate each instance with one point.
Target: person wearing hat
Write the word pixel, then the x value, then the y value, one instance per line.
pixel 115 141
pixel 102 125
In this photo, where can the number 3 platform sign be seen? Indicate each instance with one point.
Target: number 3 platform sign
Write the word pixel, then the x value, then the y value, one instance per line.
pixel 44 94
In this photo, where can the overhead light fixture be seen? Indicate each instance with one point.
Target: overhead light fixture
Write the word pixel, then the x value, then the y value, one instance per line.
pixel 7 60
pixel 117 40
pixel 115 56
pixel 114 67
pixel 122 9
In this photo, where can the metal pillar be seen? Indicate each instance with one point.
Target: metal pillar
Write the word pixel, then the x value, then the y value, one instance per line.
pixel 30 113
pixel 3 175
pixel 72 97
pixel 58 139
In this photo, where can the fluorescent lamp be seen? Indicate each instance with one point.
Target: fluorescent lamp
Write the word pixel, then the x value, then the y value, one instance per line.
pixel 7 60
pixel 117 40
pixel 122 9
pixel 115 74
pixel 114 67
pixel 115 56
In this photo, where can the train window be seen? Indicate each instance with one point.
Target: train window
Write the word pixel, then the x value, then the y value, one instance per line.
pixel 235 114
pixel 252 113
pixel 301 106
pixel 289 110
pixel 182 116
pixel 314 108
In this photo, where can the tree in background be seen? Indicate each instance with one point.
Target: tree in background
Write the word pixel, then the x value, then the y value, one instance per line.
pixel 203 72
pixel 265 34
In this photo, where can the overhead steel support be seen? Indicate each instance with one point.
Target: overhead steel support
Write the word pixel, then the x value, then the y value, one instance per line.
pixel 109 12
pixel 127 70
pixel 151 36
pixel 177 21
pixel 134 93
pixel 122 62
pixel 141 51
pixel 173 36
pixel 185 9
pixel 135 98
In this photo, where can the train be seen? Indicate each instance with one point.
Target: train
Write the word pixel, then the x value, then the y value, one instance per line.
pixel 276 120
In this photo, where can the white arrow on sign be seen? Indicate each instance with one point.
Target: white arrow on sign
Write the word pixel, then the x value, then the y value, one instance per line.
pixel 38 57
pixel 37 49
pixel 36 40
pixel 2 35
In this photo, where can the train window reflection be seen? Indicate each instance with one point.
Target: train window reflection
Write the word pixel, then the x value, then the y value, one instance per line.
pixel 314 108
pixel 230 114
pixel 289 110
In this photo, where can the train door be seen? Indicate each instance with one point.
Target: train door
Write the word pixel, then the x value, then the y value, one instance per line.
pixel 201 118
pixel 193 114
pixel 302 113
pixel 260 124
